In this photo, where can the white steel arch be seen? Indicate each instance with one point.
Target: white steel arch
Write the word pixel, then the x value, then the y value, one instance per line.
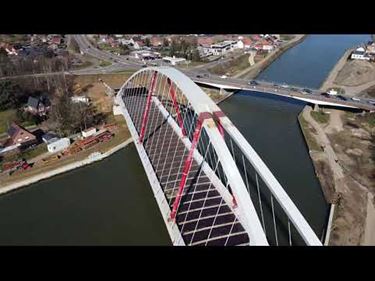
pixel 214 122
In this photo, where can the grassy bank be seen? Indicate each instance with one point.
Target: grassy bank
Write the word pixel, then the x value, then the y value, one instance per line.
pixel 306 131
pixel 231 67
pixel 320 116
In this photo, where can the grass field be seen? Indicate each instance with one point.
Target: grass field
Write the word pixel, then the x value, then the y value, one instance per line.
pixel 38 150
pixel 104 63
pixel 232 67
pixel 6 118
pixel 310 139
pixel 320 116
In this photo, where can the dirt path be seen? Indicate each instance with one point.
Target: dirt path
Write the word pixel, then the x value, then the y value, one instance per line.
pixel 335 122
pixel 356 90
pixel 353 221
pixel 331 155
pixel 369 237
pixel 251 63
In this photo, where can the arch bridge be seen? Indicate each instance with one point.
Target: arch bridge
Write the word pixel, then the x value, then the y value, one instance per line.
pixel 211 186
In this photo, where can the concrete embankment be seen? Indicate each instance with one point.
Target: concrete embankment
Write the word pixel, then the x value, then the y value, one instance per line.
pixel 255 70
pixel 94 157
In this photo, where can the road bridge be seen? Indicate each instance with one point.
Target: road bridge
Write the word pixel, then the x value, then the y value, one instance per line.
pixel 211 186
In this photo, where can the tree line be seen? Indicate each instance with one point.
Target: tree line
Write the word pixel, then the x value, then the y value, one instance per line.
pixel 65 117
pixel 19 65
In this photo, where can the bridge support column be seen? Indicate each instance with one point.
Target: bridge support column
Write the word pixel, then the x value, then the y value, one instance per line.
pixel 223 91
pixel 316 107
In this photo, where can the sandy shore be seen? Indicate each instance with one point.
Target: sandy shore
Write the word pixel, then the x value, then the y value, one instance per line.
pixel 94 157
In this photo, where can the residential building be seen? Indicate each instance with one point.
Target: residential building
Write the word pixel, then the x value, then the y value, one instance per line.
pixel 156 41
pixel 89 132
pixel 48 137
pixel 56 144
pixel 223 47
pixel 21 136
pixel 205 42
pixel 82 99
pixel 174 60
pixel 360 54
pixel 38 105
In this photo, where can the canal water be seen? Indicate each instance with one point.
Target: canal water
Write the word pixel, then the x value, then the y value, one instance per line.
pixel 111 202
pixel 309 63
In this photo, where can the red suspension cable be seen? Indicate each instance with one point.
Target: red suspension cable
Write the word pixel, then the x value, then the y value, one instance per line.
pixel 148 105
pixel 176 107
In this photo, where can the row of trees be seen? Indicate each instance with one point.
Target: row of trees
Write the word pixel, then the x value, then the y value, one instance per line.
pixel 185 49
pixel 67 118
pixel 48 62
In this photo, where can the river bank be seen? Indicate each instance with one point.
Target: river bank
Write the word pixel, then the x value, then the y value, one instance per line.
pixel 253 71
pixel 331 147
pixel 354 77
pixel 93 157
pixel 329 81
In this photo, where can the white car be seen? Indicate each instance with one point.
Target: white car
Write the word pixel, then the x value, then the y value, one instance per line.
pixel 223 76
pixel 355 99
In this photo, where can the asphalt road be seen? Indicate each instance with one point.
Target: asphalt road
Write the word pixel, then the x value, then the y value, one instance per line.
pixel 123 63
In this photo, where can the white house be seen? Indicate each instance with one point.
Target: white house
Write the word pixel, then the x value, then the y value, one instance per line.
pixel 267 47
pixel 221 48
pixel 240 44
pixel 83 99
pixel 58 145
pixel 360 54
pixel 89 132
pixel 174 60
pixel 332 92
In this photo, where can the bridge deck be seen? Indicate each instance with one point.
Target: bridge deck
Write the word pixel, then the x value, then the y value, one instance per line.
pixel 203 217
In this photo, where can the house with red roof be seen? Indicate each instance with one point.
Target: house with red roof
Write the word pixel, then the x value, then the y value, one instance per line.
pixel 156 41
pixel 56 40
pixel 20 136
pixel 205 41
pixel 247 42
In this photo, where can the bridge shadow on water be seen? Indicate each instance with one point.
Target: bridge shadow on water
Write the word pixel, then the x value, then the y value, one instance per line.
pixel 270 96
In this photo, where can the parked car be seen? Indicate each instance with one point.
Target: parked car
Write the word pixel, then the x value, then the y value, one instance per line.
pixel 307 91
pixel 253 83
pixel 356 99
pixel 199 76
pixel 325 95
pixel 223 76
